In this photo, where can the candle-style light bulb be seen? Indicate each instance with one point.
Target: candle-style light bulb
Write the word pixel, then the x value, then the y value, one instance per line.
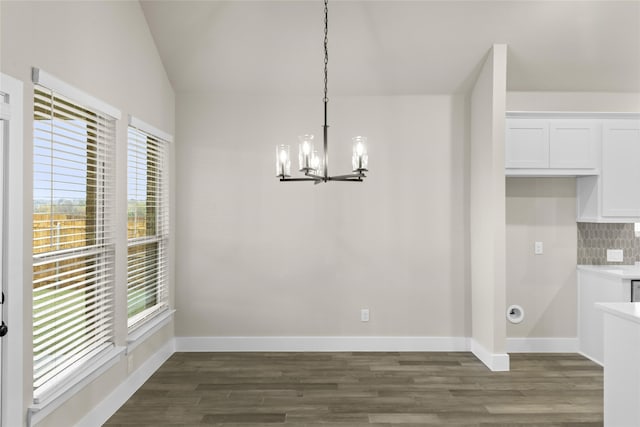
pixel 283 156
pixel 304 153
pixel 283 161
pixel 316 163
pixel 360 159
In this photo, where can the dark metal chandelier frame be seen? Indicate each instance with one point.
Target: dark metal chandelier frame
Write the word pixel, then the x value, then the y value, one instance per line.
pixel 321 174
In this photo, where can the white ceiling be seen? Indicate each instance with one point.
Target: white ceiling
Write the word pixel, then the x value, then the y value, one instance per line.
pixel 394 47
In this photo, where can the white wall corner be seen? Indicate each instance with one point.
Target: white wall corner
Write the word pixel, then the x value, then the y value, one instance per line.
pixel 238 344
pixel 101 412
pixel 542 345
pixel 496 362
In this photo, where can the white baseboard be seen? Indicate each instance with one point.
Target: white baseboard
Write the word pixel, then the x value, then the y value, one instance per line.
pixel 239 344
pixel 591 358
pixel 542 345
pixel 497 362
pixel 100 413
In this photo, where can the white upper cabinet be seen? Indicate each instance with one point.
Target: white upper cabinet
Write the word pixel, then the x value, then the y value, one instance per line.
pixel 527 143
pixel 572 144
pixel 602 150
pixel 551 146
pixel 621 168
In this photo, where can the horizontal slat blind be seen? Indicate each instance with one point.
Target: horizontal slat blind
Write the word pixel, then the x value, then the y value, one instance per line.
pixel 73 249
pixel 148 226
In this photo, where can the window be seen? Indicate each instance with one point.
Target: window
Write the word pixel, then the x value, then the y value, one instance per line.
pixel 73 247
pixel 147 226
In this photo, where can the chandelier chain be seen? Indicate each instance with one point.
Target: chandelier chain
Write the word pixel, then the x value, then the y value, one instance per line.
pixel 316 169
pixel 326 48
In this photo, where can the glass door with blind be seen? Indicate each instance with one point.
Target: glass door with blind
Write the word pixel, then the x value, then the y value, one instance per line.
pixel 4 130
pixel 12 260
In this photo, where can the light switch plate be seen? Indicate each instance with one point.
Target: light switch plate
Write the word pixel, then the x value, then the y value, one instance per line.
pixel 615 255
pixel 538 248
pixel 364 315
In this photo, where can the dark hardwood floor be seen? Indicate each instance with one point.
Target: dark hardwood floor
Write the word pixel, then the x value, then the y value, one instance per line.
pixel 358 389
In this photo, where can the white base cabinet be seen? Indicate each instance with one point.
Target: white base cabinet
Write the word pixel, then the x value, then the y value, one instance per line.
pixel 593 288
pixel 621 368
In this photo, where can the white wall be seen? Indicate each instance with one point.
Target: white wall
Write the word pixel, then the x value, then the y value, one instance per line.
pixel 487 214
pixel 105 49
pixel 257 257
pixel 573 101
pixel 542 210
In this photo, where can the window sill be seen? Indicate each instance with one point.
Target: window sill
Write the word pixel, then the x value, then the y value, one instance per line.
pixel 150 327
pixel 44 406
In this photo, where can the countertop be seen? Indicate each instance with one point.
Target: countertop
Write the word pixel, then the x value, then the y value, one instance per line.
pixel 631 272
pixel 626 310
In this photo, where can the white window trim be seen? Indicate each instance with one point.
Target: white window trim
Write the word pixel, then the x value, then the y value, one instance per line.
pixel 138 321
pixel 146 323
pixel 135 122
pixel 50 392
pixel 51 82
pixel 135 322
pixel 17 173
pixel 148 328
pixel 74 384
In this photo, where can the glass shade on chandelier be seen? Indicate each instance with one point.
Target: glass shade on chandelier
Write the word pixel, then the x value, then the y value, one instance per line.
pixel 305 153
pixel 283 161
pixel 360 158
pixel 312 163
pixel 316 163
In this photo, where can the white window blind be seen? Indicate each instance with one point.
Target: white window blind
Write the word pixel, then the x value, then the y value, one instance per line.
pixel 148 226
pixel 73 247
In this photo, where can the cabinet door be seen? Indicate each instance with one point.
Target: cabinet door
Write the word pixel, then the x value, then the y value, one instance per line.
pixel 621 168
pixel 527 143
pixel 572 144
pixel 593 288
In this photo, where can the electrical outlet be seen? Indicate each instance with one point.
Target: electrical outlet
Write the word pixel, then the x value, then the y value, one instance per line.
pixel 364 315
pixel 538 248
pixel 615 255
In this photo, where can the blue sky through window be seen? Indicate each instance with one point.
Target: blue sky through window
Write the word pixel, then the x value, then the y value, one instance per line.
pixel 60 162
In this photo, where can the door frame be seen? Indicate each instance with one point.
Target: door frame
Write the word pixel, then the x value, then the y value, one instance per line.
pixel 15 273
pixel 5 117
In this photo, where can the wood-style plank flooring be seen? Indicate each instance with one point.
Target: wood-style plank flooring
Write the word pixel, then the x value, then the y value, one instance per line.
pixel 366 389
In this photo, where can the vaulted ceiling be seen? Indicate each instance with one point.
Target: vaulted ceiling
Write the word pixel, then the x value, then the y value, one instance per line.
pixel 394 47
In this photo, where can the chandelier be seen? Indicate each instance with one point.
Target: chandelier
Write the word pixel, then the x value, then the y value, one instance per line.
pixel 314 166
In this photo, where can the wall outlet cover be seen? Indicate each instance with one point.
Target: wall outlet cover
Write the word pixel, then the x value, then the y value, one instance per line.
pixel 364 315
pixel 538 248
pixel 615 255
